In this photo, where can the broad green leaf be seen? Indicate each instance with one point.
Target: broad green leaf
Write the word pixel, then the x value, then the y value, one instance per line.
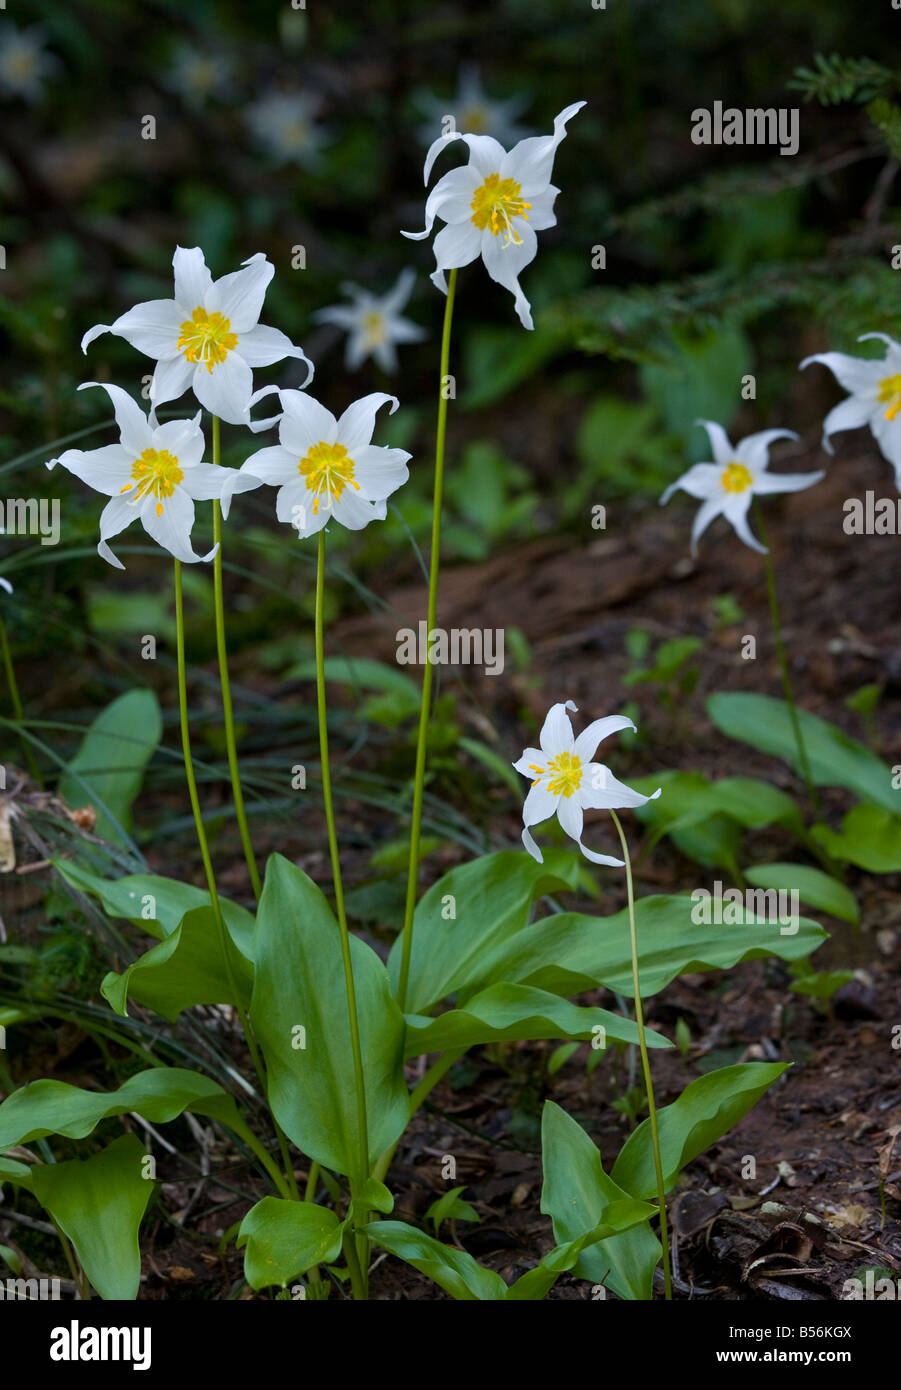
pixel 108 769
pixel 165 900
pixel 511 1013
pixel 453 1270
pixel 535 1283
pixel 470 911
pixel 184 970
pixel 822 984
pixel 577 1193
pixel 99 1203
pixel 713 842
pixel 870 837
pixel 10 1259
pixel 821 890
pixel 689 799
pixel 299 1014
pixel 706 1110
pixel 361 673
pixel 284 1239
pixel 835 759
pixel 55 1107
pixel 569 952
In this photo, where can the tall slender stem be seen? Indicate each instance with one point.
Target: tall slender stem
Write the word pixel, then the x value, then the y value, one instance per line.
pixel 221 649
pixel 225 945
pixel 645 1064
pixel 350 989
pixel 16 702
pixel 426 705
pixel 784 667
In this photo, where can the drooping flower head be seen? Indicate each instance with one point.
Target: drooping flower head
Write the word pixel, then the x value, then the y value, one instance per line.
pixel 566 782
pixel 154 475
pixel 493 206
pixel 327 468
pixel 208 336
pixel 474 111
pixel 374 324
pixel 727 486
pixel 874 397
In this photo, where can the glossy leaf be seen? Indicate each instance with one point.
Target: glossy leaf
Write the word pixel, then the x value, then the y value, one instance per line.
pixel 184 970
pixel 820 890
pixel 870 838
pixel 284 1239
pixel 108 769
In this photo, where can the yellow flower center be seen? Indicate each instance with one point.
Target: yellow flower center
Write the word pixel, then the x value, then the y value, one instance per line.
pixel 496 203
pixel 735 478
pixel 374 329
pixel 22 63
pixel 207 338
pixel 473 119
pixel 328 470
pixel 156 473
pixel 890 393
pixel 564 771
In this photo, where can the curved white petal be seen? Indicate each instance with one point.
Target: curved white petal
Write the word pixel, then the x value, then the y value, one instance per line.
pixel 240 296
pixel 702 481
pixel 134 427
pixel 183 438
pixel 274 465
pixel 723 452
pixel 92 333
pixel 207 480
pixel 304 422
pixel 263 346
pixel 786 482
pixel 588 740
pixel 356 425
pixel 557 732
pixel 531 161
pixel 354 512
pixel 170 380
pixel 226 390
pixel 192 278
pixel 706 513
pixel 735 510
pixel 531 759
pixel 380 471
pixel 106 470
pixel 152 328
pixel 505 260
pixel 858 375
pixel 171 526
pixel 114 518
pixel 753 450
pixel 457 245
pixel 849 414
pixel 601 791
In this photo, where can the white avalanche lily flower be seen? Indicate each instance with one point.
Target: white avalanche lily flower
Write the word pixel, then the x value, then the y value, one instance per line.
pixel 208 336
pixel 284 126
pixel 874 397
pixel 374 324
pixel 566 782
pixel 24 62
pixel 154 473
pixel 493 206
pixel 474 111
pixel 197 75
pixel 738 474
pixel 326 468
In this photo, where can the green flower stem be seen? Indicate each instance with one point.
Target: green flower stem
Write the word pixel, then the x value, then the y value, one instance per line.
pixel 362 1172
pixel 230 742
pixel 645 1064
pixel 16 701
pixel 426 705
pixel 224 941
pixel 784 667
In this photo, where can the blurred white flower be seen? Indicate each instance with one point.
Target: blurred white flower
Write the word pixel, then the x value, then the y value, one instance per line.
pixel 373 323
pixel 24 62
pixel 727 486
pixel 326 468
pixel 474 112
pixel 5 585
pixel 493 206
pixel 566 782
pixel 154 474
pixel 874 398
pixel 284 125
pixel 208 337
pixel 196 75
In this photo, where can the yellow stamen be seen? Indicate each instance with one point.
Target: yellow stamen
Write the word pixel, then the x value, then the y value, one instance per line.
pixel 890 392
pixel 156 474
pixel 564 771
pixel 736 478
pixel 328 470
pixel 496 203
pixel 373 329
pixel 207 338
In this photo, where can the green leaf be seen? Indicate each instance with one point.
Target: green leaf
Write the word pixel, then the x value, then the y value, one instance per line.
pixel 510 1013
pixel 108 769
pixel 284 1239
pixel 453 1270
pixel 822 984
pixel 576 1194
pixel 569 952
pixel 99 1203
pixel 820 890
pixel 10 1259
pixel 499 767
pixel 165 899
pixel 706 1110
pixel 299 984
pixel 55 1107
pixel 450 1207
pixel 869 837
pixel 183 971
pixel 835 759
pixel 689 799
pixel 468 912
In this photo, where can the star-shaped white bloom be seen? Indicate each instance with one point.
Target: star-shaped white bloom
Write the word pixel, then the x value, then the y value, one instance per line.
pixel 373 323
pixel 566 782
pixel 493 206
pixel 197 74
pixel 24 63
pixel 154 474
pixel 284 126
pixel 326 468
pixel 208 336
pixel 874 397
pixel 738 474
pixel 474 111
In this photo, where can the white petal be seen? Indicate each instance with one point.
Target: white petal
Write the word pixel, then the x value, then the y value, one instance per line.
pixel 134 428
pixel 786 482
pixel 723 453
pixel 356 425
pixel 735 510
pixel 183 438
pixel 601 791
pixel 486 155
pixel 170 380
pixel 849 414
pixel 226 390
pixel 305 422
pixel 702 480
pixel 588 740
pixel 153 328
pixel 237 481
pixel 753 451
pixel 504 261
pixel 192 278
pixel 457 245
pixel 240 296
pixel 171 528
pixel 539 805
pixel 262 346
pixel 354 512
pixel 114 518
pixel 541 213
pixel 380 471
pixel 703 516
pixel 207 480
pixel 398 295
pixel 531 161
pixel 531 759
pixel 93 333
pixel 106 470
pixel 857 375
pixel 569 814
pixel 557 732
pixel 275 466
